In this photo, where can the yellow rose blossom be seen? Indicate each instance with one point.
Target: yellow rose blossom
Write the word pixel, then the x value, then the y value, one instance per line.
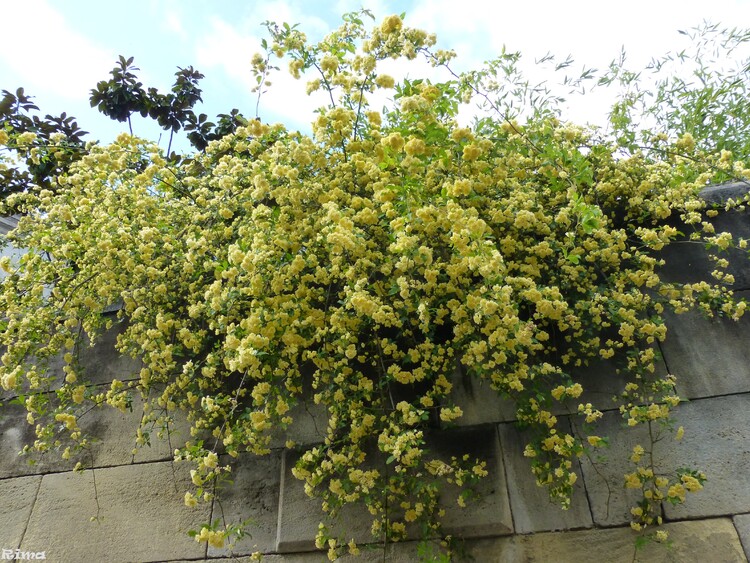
pixel 391 24
pixel 384 81
pixel 594 441
pixel 471 152
pixel 380 267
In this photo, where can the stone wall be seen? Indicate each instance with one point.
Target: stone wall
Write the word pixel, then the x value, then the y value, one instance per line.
pixel 128 506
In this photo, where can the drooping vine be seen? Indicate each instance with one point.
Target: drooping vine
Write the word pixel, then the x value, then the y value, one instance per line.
pixel 362 266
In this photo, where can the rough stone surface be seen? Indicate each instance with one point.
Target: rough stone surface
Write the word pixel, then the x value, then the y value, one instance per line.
pixel 714 541
pixel 489 513
pixel 252 496
pixel 602 382
pixel 98 364
pixel 114 429
pixel 721 193
pixel 117 431
pixel 299 515
pixel 742 523
pixel 101 363
pixel 717 441
pixel 140 516
pixel 309 557
pixel 479 403
pixel 16 500
pixel 310 419
pixel 14 433
pixel 691 352
pixel 603 473
pixel 530 504
pixel 309 426
pixel 689 262
pixel 708 540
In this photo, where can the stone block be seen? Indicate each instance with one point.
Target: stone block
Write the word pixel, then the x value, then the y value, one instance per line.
pixel 717 434
pixel 530 504
pixel 138 511
pixel 100 363
pixel 488 514
pixel 310 422
pixel 252 496
pixel 710 357
pixel 602 381
pixel 478 401
pixel 603 472
pixel 719 194
pixel 480 404
pixel 713 540
pixel 742 523
pixel 688 262
pixel 115 430
pixel 309 557
pixel 14 433
pixel 16 501
pixel 717 441
pixel 299 515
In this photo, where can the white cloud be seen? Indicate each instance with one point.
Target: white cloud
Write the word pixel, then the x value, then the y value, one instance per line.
pixel 55 58
pixel 379 8
pixel 589 29
pixel 68 64
pixel 173 23
pixel 227 47
pixel 230 46
pixel 292 12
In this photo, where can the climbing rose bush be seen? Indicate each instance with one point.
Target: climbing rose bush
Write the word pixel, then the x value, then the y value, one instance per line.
pixel 360 269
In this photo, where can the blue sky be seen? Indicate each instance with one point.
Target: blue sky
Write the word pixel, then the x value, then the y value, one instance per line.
pixel 58 49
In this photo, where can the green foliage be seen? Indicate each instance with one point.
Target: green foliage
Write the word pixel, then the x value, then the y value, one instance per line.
pixel 359 269
pixel 123 95
pixel 700 90
pixel 43 149
pixel 56 143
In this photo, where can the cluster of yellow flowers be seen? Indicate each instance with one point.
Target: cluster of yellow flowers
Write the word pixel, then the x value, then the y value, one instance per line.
pixel 362 265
